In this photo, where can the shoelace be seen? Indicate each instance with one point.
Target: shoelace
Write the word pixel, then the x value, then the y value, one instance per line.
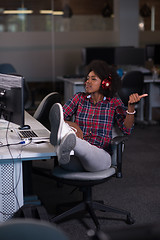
pixel 74 129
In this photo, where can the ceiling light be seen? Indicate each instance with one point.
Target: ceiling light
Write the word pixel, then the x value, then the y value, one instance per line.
pixel 17 11
pixel 58 13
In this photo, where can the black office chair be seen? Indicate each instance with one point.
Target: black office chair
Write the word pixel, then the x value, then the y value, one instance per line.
pixel 86 180
pixel 42 115
pixel 30 229
pixel 7 68
pixel 133 82
pixel 42 112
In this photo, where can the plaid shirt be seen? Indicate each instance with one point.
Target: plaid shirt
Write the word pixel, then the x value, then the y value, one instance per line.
pixel 96 120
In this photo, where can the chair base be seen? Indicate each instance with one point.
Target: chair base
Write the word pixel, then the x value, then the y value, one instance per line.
pixel 90 207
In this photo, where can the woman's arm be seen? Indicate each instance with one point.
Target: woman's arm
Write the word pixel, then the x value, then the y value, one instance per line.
pixel 78 131
pixel 133 99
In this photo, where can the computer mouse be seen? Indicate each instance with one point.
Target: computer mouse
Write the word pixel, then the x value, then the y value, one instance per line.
pixel 25 127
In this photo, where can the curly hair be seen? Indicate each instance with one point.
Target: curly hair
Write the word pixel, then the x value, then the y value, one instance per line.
pixel 102 69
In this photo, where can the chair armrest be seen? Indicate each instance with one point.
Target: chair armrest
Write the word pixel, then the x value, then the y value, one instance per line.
pixel 119 139
pixel 118 142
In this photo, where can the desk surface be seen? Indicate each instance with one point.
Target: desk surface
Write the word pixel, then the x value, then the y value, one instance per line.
pixel 75 81
pixel 11 174
pixel 149 79
pixel 31 151
pixel 80 81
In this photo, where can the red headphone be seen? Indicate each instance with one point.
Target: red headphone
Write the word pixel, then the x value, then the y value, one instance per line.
pixel 106 83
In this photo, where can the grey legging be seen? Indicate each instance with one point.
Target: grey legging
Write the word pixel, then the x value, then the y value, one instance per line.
pixel 88 157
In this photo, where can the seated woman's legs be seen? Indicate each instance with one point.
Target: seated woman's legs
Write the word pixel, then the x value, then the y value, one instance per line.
pixel 89 156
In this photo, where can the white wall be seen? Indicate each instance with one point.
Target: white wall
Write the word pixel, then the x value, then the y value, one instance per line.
pixel 32 54
pixel 68 47
pixel 29 52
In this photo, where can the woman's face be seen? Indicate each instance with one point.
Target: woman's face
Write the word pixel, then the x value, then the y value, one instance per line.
pixel 92 83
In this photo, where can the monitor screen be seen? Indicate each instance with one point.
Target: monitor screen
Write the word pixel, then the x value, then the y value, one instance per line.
pixel 130 56
pixel 98 53
pixel 127 55
pixel 152 51
pixel 12 98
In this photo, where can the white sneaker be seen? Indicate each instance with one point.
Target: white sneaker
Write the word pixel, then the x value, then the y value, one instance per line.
pixel 68 142
pixel 56 122
pixel 62 136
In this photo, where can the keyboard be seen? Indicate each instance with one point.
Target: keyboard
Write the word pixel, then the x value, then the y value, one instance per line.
pixel 27 134
pixel 34 134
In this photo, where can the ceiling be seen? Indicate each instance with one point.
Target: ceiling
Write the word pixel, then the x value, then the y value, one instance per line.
pixel 78 6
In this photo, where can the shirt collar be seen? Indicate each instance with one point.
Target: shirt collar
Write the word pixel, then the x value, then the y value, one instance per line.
pixel 89 96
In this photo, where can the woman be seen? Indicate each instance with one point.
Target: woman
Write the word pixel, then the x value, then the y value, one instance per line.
pixel 95 113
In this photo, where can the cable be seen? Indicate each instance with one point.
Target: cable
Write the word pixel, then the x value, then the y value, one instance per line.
pixel 14 185
pixel 11 144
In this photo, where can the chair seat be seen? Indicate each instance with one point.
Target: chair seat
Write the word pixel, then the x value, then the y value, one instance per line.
pixel 61 173
pixel 85 181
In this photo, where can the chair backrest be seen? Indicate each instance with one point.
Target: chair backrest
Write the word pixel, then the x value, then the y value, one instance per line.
pixel 42 112
pixel 30 229
pixel 7 68
pixel 132 82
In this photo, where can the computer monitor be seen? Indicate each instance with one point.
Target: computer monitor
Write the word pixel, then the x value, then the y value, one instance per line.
pixel 127 55
pixel 98 53
pixel 12 98
pixel 152 51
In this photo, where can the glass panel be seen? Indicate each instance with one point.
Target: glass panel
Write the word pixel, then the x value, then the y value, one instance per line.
pixel 83 23
pixel 24 16
pixel 149 15
pixel 79 15
pixel 76 16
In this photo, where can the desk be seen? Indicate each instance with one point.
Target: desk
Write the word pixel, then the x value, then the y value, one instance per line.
pixel 152 87
pixel 74 85
pixel 71 86
pixel 11 174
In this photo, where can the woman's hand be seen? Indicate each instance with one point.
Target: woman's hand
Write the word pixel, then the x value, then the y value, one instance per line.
pixel 135 98
pixel 78 131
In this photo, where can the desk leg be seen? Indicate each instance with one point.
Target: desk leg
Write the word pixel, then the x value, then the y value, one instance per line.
pixel 29 197
pixel 141 110
pixel 11 189
pixel 148 103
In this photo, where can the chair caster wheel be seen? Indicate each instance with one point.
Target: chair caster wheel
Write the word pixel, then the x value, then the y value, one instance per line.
pixel 130 220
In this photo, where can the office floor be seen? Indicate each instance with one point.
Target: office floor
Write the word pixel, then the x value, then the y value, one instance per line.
pixel 138 191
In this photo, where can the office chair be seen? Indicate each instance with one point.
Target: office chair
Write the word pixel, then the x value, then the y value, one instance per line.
pixel 42 115
pixel 132 82
pixel 86 180
pixel 7 68
pixel 30 229
pixel 42 112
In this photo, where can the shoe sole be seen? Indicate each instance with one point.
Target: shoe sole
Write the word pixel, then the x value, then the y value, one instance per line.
pixel 67 145
pixel 56 122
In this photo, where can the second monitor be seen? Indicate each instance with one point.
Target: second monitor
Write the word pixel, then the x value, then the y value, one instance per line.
pixel 115 55
pixel 12 98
